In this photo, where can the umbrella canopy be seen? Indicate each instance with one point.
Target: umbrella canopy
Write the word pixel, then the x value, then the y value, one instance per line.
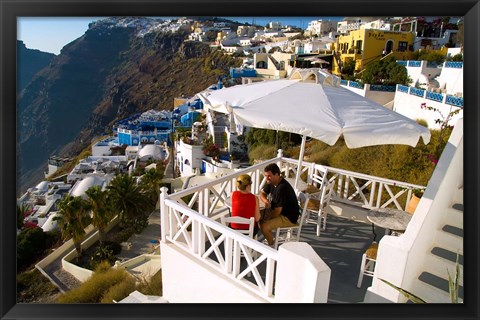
pixel 318 111
pixel 316 60
pixel 321 111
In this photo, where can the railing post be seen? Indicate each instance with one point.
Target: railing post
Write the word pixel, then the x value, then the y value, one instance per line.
pixel 372 193
pixel 163 214
pixel 279 155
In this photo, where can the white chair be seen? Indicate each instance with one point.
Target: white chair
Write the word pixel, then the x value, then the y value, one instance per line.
pixel 249 232
pixel 367 267
pixel 317 212
pixel 240 220
pixel 287 234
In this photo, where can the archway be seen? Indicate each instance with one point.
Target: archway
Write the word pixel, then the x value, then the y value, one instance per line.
pixel 389 46
pixel 261 65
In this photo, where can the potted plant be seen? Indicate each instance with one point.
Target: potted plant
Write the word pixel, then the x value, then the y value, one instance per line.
pixel 414 200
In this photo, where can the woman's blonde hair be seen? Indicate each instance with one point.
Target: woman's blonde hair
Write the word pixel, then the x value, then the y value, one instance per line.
pixel 243 181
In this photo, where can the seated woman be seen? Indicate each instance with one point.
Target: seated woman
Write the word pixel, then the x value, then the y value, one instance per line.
pixel 245 203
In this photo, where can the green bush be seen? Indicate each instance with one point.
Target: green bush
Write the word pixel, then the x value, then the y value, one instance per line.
pixel 31 245
pixel 105 252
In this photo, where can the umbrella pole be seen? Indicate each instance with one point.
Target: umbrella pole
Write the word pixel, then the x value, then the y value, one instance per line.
pixel 300 160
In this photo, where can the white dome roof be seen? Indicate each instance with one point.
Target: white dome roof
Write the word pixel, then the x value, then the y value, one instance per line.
pixel 150 150
pixel 42 186
pixel 50 224
pixel 83 185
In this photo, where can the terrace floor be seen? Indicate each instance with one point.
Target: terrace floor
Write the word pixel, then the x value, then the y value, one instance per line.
pixel 341 247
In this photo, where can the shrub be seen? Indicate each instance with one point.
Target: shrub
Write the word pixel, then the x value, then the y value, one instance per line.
pixel 31 245
pixel 153 286
pixel 262 152
pixel 105 252
pixel 31 285
pixel 122 235
pixel 119 291
pixel 93 290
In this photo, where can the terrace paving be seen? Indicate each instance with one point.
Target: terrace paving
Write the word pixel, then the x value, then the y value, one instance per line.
pixel 341 247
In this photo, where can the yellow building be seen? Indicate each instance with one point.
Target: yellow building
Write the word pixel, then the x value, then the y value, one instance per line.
pixel 368 45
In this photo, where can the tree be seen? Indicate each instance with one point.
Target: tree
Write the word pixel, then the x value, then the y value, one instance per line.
pixel 150 184
pixel 385 72
pixel 101 208
pixel 73 220
pixel 349 67
pixel 128 200
pixel 436 56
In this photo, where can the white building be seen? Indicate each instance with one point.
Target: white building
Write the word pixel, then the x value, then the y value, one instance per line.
pixel 444 93
pixel 321 28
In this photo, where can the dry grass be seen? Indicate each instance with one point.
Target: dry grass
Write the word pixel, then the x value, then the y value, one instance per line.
pixel 99 284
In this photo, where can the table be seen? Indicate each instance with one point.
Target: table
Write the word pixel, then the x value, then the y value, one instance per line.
pixel 388 218
pixel 302 185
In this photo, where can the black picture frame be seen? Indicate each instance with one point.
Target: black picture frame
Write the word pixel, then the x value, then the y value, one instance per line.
pixel 10 10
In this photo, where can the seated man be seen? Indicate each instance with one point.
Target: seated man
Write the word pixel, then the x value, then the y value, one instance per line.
pixel 284 209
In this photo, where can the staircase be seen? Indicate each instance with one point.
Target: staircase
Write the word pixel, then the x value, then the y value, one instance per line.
pixel 219 137
pixel 432 283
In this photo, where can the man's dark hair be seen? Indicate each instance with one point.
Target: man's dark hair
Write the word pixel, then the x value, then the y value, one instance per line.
pixel 273 168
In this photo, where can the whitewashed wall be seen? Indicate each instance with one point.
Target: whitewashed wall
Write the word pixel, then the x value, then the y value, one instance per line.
pixel 185 279
pixel 409 106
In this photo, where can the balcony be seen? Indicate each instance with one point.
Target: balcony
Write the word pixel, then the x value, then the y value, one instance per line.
pixel 194 243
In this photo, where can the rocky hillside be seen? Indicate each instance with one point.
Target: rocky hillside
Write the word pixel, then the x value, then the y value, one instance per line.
pixel 114 70
pixel 29 62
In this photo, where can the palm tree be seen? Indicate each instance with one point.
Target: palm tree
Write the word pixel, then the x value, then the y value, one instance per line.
pixel 73 220
pixel 102 212
pixel 127 199
pixel 150 184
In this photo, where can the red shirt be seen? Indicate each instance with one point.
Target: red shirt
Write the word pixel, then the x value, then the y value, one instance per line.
pixel 243 205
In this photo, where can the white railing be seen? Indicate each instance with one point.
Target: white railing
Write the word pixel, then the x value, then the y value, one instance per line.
pixel 370 191
pixel 190 219
pixel 220 247
pixel 357 188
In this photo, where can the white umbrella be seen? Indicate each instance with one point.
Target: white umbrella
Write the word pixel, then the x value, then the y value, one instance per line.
pixel 323 112
pixel 316 60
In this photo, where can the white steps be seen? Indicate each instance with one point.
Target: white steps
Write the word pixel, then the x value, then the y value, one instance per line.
pixel 432 283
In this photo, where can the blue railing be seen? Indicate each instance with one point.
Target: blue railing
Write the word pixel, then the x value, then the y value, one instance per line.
pixel 417 92
pixel 435 96
pixel 379 87
pixel 432 64
pixel 454 101
pixel 413 63
pixel 355 85
pixel 344 82
pixel 238 73
pixel 453 64
pixel 402 62
pixel 402 88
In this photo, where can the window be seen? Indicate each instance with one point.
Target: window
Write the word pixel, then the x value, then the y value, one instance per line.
pixel 402 46
pixel 359 46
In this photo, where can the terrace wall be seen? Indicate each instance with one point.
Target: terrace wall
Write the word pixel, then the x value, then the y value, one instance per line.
pixel 185 279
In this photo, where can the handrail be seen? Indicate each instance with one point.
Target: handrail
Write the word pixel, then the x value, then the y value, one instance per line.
pixel 349 187
pixel 202 243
